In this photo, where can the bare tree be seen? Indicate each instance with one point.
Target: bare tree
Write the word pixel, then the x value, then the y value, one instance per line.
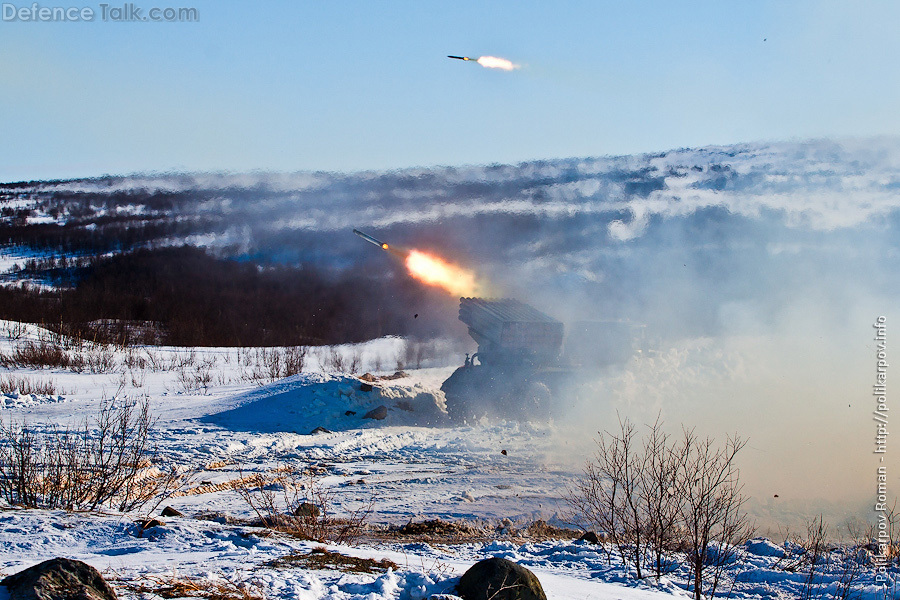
pixel 608 496
pixel 711 514
pixel 661 504
pixel 663 497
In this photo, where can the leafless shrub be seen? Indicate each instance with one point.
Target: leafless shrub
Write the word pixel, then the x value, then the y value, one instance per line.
pixel 195 379
pixel 859 531
pixel 271 364
pixel 846 587
pixel 712 509
pixel 136 377
pixel 100 358
pixel 814 545
pixel 275 500
pixel 663 499
pixel 661 505
pixel 355 361
pixel 415 352
pixel 135 360
pixel 11 384
pixel 335 361
pixel 39 355
pixel 294 360
pixel 14 330
pixel 608 494
pixel 892 522
pixel 100 463
pixel 157 361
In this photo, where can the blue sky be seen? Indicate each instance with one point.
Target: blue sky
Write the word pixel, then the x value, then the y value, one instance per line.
pixel 347 86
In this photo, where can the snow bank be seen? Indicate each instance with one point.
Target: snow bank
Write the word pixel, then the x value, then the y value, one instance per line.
pixel 16 400
pixel 763 547
pixel 304 402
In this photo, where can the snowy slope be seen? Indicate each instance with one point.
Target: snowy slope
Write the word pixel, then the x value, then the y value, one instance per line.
pixel 411 466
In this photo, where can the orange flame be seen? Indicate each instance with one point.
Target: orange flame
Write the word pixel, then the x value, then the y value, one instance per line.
pixel 438 272
pixel 493 62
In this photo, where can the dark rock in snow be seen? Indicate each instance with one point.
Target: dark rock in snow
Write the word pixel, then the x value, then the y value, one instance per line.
pixel 500 579
pixel 319 430
pixel 171 512
pixel 589 537
pixel 150 523
pixel 379 413
pixel 307 509
pixel 366 387
pixel 58 579
pixel 349 413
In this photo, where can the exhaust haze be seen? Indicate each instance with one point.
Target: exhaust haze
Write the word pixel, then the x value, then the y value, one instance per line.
pixel 754 271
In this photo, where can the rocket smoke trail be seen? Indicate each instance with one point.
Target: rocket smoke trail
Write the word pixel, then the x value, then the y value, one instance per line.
pixel 490 62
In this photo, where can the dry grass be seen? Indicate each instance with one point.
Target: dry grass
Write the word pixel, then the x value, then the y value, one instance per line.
pixel 11 384
pixel 541 530
pixel 323 559
pixel 97 463
pixel 437 531
pixel 193 587
pixel 275 499
pixel 44 354
pixel 232 484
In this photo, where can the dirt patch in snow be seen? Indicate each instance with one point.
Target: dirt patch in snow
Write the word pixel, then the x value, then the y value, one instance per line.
pixel 321 559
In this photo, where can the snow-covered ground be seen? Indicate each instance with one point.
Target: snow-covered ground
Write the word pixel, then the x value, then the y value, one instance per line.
pixel 221 417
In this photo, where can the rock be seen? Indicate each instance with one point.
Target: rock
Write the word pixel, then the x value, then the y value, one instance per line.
pixel 150 523
pixel 500 579
pixel 366 387
pixel 58 579
pixel 368 377
pixel 171 512
pixel 307 509
pixel 378 413
pixel 396 375
pixel 589 537
pixel 319 429
pixel 349 413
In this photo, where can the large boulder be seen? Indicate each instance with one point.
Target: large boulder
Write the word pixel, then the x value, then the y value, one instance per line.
pixel 58 579
pixel 171 512
pixel 499 579
pixel 378 413
pixel 307 510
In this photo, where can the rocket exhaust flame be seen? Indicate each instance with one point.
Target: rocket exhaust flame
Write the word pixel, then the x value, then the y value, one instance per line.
pixel 431 270
pixel 437 272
